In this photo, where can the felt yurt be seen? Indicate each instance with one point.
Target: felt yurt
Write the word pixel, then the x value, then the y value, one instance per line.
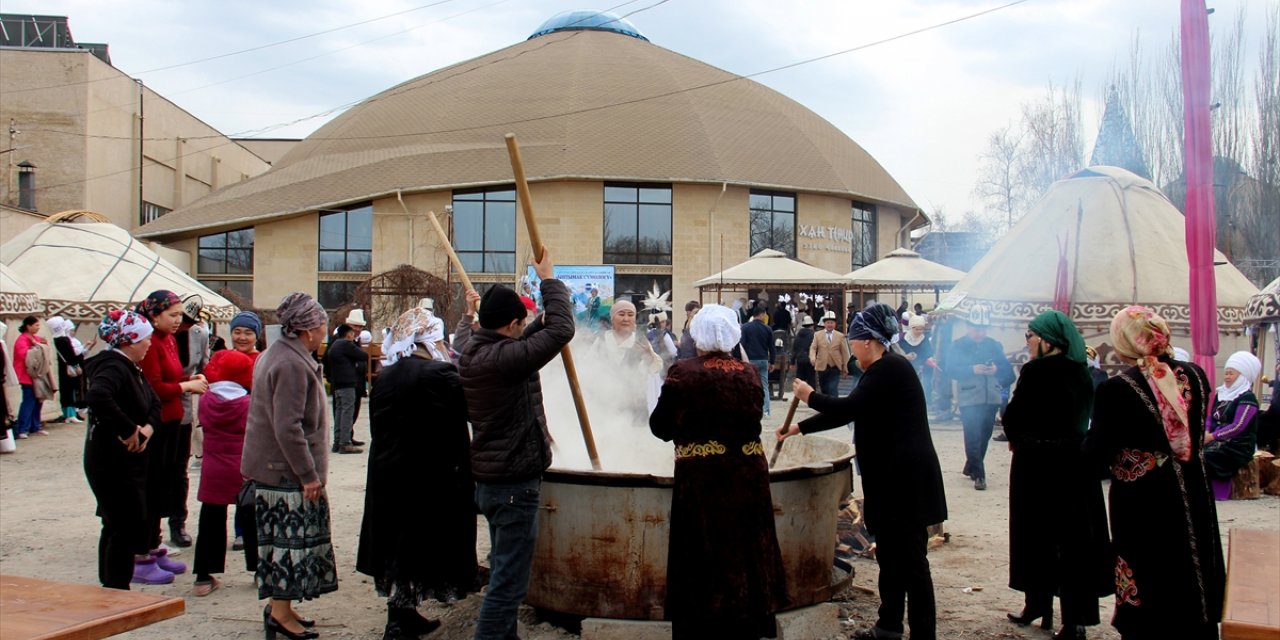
pixel 1100 239
pixel 17 300
pixel 82 266
pixel 1262 315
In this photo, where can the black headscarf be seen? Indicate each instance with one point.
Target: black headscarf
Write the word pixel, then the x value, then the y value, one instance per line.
pixel 877 322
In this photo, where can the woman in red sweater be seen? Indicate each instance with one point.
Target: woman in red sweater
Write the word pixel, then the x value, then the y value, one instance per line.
pixel 163 370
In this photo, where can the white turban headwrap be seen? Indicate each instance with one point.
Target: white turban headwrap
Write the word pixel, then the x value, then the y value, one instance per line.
pixel 1249 368
pixel 415 327
pixel 1181 355
pixel 715 328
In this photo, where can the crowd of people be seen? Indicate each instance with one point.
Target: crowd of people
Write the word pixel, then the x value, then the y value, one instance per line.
pixel 464 416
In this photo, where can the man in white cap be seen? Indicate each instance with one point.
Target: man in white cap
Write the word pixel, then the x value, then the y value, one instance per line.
pixel 829 354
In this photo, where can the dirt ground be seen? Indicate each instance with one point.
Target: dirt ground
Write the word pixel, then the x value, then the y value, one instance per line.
pixel 48 530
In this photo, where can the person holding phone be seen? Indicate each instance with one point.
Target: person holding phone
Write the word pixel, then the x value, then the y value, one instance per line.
pixel 979 365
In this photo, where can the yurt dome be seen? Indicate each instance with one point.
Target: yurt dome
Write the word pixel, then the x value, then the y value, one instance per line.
pixel 587 104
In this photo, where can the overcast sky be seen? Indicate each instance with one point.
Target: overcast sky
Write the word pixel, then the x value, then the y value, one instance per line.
pixel 923 105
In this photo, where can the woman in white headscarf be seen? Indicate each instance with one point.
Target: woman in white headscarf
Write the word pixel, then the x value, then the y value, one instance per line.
pixel 409 455
pixel 724 568
pixel 1231 432
pixel 70 367
pixel 633 358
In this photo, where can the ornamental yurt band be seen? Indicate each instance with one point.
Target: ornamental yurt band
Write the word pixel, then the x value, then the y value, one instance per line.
pixel 901 478
pixel 725 577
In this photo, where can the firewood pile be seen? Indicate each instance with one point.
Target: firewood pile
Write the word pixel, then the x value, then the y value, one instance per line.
pixel 1268 473
pixel 853 540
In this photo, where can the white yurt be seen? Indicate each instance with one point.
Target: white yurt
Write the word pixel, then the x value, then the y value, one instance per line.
pixel 1125 243
pixel 17 300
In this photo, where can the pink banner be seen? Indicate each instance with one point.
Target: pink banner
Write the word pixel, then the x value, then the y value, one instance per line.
pixel 1198 163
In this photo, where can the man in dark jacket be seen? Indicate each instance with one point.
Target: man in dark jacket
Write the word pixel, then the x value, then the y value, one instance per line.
pixel 800 351
pixel 510 444
pixel 342 363
pixel 757 340
pixel 978 364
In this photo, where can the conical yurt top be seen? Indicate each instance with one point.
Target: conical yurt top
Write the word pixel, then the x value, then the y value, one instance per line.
pixel 1265 305
pixel 1125 244
pixel 770 267
pixel 82 270
pixel 904 268
pixel 16 297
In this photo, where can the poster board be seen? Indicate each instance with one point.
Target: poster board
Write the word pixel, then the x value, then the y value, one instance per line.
pixel 591 289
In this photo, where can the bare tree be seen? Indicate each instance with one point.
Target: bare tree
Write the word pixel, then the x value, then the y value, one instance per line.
pixel 999 185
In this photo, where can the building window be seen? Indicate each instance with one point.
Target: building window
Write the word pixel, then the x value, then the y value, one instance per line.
pixel 637 224
pixel 335 293
pixel 484 230
pixel 151 212
pixel 773 222
pixel 229 252
pixel 241 289
pixel 346 239
pixel 864 235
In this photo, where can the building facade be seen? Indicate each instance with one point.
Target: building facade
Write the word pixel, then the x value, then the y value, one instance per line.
pixel 95 138
pixel 638 157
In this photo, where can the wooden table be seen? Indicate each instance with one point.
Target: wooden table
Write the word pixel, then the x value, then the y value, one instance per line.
pixel 1252 610
pixel 34 609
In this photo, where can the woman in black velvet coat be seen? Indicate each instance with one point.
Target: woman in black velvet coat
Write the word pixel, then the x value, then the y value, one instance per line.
pixel 901 478
pixel 419 461
pixel 1058 543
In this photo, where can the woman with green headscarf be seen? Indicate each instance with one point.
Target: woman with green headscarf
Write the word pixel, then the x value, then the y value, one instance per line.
pixel 1058 543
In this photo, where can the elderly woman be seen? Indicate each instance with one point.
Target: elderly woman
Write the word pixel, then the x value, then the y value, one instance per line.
pixel 901 478
pixel 1231 436
pixel 70 365
pixel 124 414
pixel 918 348
pixel 1147 429
pixel 724 569
pixel 409 563
pixel 634 358
pixel 1057 521
pixel 286 454
pixel 167 467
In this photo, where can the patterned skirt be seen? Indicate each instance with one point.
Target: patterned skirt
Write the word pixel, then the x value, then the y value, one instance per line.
pixel 295 552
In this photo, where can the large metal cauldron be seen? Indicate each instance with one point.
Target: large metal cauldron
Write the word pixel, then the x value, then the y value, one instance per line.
pixel 602 537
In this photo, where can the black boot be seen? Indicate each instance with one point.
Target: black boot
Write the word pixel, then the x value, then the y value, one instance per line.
pixel 1028 616
pixel 1070 632
pixel 178 534
pixel 407 624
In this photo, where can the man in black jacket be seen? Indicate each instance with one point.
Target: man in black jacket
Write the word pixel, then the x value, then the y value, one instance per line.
pixel 342 363
pixel 510 445
pixel 757 340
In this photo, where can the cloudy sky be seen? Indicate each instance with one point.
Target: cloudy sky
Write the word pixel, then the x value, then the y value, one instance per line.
pixel 922 104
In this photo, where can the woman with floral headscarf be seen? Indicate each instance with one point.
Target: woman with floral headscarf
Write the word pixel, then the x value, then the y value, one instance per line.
pixel 124 414
pixel 409 563
pixel 1058 541
pixel 171 446
pixel 1147 429
pixel 286 454
pixel 901 478
pixel 724 567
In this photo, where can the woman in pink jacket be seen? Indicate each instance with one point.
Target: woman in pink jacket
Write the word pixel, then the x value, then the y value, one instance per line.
pixel 223 412
pixel 29 410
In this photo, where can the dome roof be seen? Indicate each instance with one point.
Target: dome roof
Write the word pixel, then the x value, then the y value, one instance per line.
pixel 588 21
pixel 591 105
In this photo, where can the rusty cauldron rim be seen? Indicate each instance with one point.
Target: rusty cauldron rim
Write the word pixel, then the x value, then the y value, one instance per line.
pixel 633 479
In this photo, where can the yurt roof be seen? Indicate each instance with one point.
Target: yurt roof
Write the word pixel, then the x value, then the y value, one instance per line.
pixel 1265 305
pixel 585 105
pixel 16 297
pixel 904 268
pixel 771 268
pixel 1125 244
pixel 83 270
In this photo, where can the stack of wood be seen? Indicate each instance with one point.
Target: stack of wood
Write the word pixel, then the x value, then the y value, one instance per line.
pixel 1268 472
pixel 1246 484
pixel 853 539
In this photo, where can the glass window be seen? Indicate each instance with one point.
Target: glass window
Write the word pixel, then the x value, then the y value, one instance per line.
pixel 864 235
pixel 241 291
pixel 151 212
pixel 773 221
pixel 229 252
pixel 332 294
pixel 484 230
pixel 637 224
pixel 346 239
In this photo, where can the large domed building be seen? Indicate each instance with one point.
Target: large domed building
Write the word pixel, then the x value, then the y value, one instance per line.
pixel 638 157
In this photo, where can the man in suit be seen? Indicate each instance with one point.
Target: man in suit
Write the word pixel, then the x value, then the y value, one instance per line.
pixel 829 354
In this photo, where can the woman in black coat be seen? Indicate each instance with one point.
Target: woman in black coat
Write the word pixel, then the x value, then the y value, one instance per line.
pixel 901 478
pixel 420 449
pixel 1058 542
pixel 124 411
pixel 1147 430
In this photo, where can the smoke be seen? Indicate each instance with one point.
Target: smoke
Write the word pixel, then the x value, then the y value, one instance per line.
pixel 617 409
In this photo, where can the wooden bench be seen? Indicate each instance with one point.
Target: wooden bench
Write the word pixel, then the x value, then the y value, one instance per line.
pixel 1252 610
pixel 43 610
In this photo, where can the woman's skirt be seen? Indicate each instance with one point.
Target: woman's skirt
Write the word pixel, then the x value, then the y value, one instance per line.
pixel 295 552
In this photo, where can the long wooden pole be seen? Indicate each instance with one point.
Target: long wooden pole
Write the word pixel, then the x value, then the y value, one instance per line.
pixel 448 246
pixel 535 239
pixel 786 422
